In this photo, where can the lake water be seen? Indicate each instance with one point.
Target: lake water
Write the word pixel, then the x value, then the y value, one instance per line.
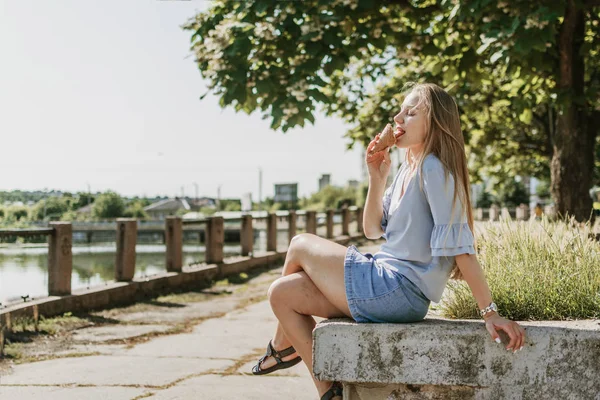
pixel 24 269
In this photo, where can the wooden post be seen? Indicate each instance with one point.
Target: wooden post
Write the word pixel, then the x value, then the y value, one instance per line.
pixel 523 212
pixel 291 225
pixel 330 214
pixel 247 235
pixel 359 219
pixel 36 317
pixel 272 232
pixel 215 237
pixel 494 213
pixel 60 259
pixel 311 222
pixel 8 321
pixel 126 241
pixel 174 242
pixel 1 341
pixel 345 221
pixel 479 214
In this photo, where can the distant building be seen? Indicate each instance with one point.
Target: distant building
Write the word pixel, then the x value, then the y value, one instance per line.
pixel 164 208
pixel 324 181
pixel 353 183
pixel 247 202
pixel 85 210
pixel 286 193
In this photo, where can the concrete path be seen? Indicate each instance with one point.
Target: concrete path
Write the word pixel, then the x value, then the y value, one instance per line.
pixel 179 347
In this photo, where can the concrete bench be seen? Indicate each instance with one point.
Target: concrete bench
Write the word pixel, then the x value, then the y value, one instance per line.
pixel 456 359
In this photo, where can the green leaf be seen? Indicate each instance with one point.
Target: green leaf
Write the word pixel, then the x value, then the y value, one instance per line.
pixel 313 48
pixel 260 6
pixel 308 36
pixel 317 95
pixel 430 49
pixel 264 86
pixel 526 116
pixel 437 68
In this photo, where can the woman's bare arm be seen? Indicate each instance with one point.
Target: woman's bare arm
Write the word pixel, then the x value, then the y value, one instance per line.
pixel 475 278
pixel 373 212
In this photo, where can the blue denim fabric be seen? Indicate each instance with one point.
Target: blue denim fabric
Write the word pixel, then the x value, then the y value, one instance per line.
pixel 377 293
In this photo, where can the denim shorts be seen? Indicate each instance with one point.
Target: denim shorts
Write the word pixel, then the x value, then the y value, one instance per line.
pixel 376 293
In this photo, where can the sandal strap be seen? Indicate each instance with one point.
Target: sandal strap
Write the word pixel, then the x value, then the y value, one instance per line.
pixel 278 355
pixel 334 390
pixel 260 361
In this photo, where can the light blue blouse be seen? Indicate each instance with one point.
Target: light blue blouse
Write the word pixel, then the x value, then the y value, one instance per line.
pixel 421 237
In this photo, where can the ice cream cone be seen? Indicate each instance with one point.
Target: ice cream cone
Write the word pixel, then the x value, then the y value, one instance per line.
pixel 387 139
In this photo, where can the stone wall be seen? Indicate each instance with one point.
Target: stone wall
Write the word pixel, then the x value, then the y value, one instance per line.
pixel 444 359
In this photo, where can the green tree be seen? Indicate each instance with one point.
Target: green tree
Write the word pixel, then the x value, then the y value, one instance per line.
pixel 332 197
pixel 135 209
pixel 513 193
pixel 50 208
pixel 542 190
pixel 525 74
pixel 81 200
pixel 108 205
pixel 16 213
pixel 230 205
pixel 485 199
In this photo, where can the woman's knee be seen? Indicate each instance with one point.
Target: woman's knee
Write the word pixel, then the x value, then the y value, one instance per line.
pixel 298 245
pixel 283 290
pixel 276 292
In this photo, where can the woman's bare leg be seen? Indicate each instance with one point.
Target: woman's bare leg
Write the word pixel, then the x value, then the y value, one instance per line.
pixel 294 298
pixel 320 249
pixel 312 284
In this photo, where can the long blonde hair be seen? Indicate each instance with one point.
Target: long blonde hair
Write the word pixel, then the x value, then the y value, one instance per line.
pixel 444 139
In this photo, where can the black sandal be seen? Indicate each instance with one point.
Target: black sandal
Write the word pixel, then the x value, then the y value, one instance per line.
pixel 336 389
pixel 277 355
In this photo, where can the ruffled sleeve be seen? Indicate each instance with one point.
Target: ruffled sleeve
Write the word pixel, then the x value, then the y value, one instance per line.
pixel 451 240
pixel 451 234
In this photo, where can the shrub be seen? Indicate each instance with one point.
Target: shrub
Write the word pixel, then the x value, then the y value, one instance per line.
pixel 536 271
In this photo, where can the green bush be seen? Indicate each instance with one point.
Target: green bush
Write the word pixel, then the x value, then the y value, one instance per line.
pixel 16 213
pixel 536 271
pixel 50 208
pixel 135 209
pixel 108 205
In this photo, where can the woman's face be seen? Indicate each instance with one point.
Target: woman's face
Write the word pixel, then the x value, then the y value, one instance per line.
pixel 410 129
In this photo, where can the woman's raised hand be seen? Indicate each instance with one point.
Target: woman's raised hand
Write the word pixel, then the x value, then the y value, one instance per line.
pixel 378 164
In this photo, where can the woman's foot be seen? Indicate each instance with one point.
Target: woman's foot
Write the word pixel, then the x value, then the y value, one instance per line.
pixel 275 359
pixel 332 392
pixel 270 360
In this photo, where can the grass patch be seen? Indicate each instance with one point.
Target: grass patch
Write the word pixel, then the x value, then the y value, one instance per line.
pixel 13 351
pixel 50 326
pixel 536 270
pixel 187 297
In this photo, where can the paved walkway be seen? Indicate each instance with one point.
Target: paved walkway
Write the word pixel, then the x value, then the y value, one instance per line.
pixel 198 346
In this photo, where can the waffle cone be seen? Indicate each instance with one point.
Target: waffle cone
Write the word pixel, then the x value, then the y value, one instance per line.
pixel 387 139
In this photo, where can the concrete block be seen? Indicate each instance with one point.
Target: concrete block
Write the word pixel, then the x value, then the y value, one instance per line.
pixel 560 359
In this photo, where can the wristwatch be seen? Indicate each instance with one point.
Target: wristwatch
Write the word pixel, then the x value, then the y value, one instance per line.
pixel 488 309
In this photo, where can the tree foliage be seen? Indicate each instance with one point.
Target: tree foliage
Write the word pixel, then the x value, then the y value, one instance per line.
pixel 50 208
pixel 331 197
pixel 505 63
pixel 108 205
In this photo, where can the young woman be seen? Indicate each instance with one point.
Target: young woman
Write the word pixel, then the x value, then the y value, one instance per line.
pixel 425 217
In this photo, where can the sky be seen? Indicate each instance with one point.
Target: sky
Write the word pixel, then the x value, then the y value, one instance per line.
pixel 105 94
